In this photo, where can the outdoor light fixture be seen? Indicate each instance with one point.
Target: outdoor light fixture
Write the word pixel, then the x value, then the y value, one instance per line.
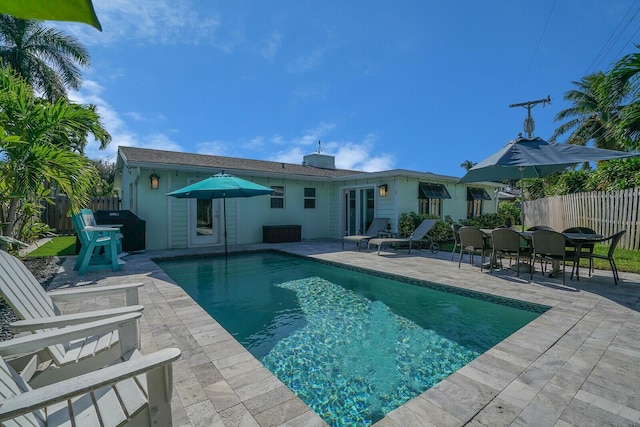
pixel 383 190
pixel 155 181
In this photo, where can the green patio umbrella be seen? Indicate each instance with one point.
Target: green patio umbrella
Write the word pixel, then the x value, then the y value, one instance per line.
pixel 221 186
pixel 535 158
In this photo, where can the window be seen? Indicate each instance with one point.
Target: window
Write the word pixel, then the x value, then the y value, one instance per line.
pixel 309 198
pixel 277 198
pixel 475 197
pixel 430 198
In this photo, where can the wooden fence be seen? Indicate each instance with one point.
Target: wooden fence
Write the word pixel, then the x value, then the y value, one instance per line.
pixel 57 217
pixel 605 212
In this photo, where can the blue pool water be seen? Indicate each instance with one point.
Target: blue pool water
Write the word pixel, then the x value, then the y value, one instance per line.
pixel 353 346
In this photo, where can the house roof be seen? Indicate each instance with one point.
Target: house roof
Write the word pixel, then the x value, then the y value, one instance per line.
pixel 172 160
pixel 134 156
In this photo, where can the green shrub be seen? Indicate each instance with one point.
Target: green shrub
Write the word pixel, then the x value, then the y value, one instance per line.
pixel 441 231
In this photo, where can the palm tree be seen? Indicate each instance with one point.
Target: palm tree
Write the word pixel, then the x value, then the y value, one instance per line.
pixel 467 164
pixel 624 78
pixel 34 148
pixel 46 58
pixel 592 115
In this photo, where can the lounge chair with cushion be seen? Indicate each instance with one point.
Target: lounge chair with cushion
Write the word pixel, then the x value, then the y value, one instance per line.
pixel 376 226
pixel 21 290
pixel 134 390
pixel 420 233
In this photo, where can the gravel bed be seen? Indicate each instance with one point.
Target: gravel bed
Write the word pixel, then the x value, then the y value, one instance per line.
pixel 44 269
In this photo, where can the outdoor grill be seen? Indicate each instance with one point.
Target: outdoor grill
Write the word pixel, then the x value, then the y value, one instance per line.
pixel 133 228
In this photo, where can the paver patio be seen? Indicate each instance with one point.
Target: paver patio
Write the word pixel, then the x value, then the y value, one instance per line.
pixel 576 365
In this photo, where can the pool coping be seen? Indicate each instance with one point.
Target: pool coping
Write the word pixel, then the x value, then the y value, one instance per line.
pixel 548 372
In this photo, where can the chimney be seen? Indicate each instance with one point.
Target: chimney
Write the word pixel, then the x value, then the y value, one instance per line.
pixel 321 161
pixel 318 160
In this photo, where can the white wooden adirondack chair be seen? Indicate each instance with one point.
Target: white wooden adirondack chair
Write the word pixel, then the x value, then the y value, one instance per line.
pixel 135 390
pixel 21 290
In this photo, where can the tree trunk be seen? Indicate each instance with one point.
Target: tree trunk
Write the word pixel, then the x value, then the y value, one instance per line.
pixel 7 230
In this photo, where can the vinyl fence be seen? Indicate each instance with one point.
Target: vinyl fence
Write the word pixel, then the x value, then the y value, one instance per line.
pixel 605 212
pixel 57 217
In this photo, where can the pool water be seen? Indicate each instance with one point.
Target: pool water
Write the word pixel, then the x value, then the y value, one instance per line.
pixel 351 345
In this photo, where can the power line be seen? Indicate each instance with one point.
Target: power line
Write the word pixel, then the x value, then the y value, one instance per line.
pixel 613 39
pixel 544 29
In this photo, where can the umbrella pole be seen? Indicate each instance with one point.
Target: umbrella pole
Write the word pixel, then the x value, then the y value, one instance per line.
pixel 224 213
pixel 522 196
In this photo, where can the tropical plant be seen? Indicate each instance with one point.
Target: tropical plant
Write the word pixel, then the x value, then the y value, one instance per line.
pixel 107 173
pixel 441 231
pixel 593 113
pixel 35 149
pixel 46 58
pixel 467 164
pixel 69 10
pixel 624 78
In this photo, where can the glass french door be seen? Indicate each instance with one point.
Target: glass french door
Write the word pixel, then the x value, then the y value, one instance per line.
pixel 204 222
pixel 359 207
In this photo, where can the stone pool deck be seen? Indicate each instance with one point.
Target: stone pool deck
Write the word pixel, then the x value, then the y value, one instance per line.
pixel 576 365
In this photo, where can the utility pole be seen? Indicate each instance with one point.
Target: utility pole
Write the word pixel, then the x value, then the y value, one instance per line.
pixel 529 124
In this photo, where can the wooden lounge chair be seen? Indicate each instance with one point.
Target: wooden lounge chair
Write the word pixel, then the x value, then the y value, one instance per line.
pixel 376 226
pixel 136 389
pixel 418 234
pixel 93 238
pixel 21 290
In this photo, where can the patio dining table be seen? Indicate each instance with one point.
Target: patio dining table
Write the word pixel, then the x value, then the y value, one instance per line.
pixel 577 239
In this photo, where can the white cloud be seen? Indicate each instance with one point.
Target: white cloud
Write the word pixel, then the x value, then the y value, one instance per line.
pixel 348 154
pixel 215 148
pixel 307 62
pixel 312 136
pixel 90 93
pixel 271 46
pixel 254 143
pixel 149 22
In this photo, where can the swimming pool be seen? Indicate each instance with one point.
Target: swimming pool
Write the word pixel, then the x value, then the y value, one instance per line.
pixel 351 345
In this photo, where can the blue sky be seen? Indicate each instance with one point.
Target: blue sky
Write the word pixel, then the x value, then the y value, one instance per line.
pixel 418 85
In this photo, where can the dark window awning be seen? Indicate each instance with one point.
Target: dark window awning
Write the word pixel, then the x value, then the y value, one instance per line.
pixel 477 194
pixel 432 191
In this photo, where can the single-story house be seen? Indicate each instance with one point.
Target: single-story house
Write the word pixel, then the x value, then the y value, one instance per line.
pixel 325 202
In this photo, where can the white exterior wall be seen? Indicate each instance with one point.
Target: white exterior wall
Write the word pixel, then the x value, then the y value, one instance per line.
pixel 167 217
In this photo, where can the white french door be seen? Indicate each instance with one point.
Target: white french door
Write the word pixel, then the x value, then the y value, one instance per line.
pixel 359 210
pixel 204 222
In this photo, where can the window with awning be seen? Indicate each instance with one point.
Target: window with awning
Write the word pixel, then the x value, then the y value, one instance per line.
pixel 432 191
pixel 477 194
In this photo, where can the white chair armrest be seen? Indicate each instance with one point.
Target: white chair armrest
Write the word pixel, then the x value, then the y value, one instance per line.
pixel 130 289
pixel 63 390
pixel 71 319
pixel 99 228
pixel 38 341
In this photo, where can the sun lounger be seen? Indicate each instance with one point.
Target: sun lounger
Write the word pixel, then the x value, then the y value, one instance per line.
pixel 418 234
pixel 376 226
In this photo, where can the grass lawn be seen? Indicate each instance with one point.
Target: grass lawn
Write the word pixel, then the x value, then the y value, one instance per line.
pixel 57 246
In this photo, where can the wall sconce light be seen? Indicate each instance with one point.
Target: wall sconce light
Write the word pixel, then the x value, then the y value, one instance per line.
pixel 155 181
pixel 382 190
